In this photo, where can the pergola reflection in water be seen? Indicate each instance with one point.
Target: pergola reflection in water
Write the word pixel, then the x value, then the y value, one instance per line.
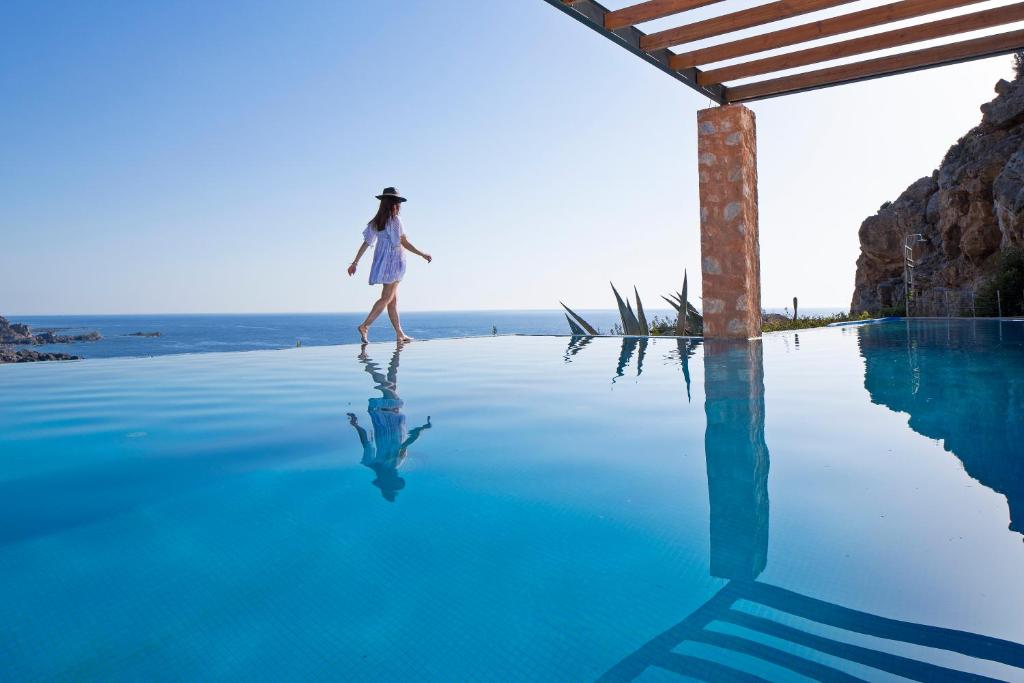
pixel 737 461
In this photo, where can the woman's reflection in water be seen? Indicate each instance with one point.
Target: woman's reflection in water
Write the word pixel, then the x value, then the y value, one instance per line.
pixel 386 447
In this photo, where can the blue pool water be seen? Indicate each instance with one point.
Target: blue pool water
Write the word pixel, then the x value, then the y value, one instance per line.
pixel 836 504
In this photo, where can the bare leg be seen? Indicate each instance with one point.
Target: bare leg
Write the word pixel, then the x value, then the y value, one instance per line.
pixel 386 295
pixel 396 322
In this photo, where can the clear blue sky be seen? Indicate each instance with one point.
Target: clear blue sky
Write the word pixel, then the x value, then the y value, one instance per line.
pixel 223 157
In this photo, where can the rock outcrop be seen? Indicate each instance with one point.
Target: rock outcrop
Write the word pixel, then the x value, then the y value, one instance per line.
pixel 18 334
pixel 15 334
pixel 9 355
pixel 967 210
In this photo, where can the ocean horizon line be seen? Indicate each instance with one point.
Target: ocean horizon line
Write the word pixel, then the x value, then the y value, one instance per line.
pixel 12 316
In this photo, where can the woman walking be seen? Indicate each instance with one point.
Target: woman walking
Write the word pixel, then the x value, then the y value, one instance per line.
pixel 385 230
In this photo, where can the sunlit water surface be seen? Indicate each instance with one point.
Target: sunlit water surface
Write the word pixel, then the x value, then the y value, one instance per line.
pixel 836 504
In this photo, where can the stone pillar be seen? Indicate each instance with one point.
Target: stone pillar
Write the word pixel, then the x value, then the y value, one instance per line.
pixel 729 251
pixel 737 457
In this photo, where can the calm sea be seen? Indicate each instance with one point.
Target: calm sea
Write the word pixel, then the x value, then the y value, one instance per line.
pixel 244 332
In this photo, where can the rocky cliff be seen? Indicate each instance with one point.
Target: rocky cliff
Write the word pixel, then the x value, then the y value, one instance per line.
pixel 967 210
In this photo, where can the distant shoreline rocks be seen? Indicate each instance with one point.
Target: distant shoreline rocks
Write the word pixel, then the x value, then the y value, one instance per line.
pixel 143 334
pixel 51 338
pixel 18 334
pixel 8 355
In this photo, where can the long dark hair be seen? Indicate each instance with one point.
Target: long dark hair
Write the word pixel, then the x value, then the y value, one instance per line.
pixel 384 212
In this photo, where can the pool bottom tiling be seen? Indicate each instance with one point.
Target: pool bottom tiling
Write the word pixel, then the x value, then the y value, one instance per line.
pixel 834 504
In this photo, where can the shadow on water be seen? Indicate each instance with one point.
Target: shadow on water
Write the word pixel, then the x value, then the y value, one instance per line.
pixel 961 382
pixel 385 448
pixel 737 461
pixel 630 345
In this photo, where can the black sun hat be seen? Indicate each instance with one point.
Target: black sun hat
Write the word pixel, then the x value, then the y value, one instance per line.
pixel 391 192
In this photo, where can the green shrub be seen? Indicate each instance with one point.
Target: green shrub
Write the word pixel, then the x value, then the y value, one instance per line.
pixel 662 326
pixel 780 323
pixel 1008 281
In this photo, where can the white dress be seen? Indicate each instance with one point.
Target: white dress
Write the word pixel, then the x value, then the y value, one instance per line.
pixel 388 256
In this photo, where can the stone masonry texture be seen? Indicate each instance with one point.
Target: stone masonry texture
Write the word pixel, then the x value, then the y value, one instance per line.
pixel 730 252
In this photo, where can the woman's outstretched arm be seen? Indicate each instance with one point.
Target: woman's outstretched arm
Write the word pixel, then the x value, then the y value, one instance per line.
pixel 363 438
pixel 415 434
pixel 408 245
pixel 359 254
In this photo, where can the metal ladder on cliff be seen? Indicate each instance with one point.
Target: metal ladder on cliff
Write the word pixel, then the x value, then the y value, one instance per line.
pixel 910 294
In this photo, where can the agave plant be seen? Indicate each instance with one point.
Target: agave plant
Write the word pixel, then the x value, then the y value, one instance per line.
pixel 634 323
pixel 577 324
pixel 688 319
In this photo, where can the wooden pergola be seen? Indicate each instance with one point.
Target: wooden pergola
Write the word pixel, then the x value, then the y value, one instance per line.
pixel 685 65
pixel 704 55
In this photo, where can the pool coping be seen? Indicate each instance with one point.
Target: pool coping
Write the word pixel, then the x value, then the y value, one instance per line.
pixel 849 323
pixel 867 321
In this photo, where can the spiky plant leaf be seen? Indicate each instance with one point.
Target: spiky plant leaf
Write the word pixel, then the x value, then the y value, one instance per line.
pixel 583 323
pixel 685 299
pixel 630 325
pixel 573 327
pixel 672 303
pixel 695 314
pixel 681 320
pixel 645 329
pixel 695 321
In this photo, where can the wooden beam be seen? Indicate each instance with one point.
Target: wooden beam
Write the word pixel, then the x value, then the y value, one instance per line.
pixel 735 21
pixel 875 16
pixel 858 46
pixel 987 46
pixel 650 10
pixel 591 14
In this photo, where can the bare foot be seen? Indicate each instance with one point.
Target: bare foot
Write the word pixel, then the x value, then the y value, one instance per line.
pixel 404 338
pixel 363 330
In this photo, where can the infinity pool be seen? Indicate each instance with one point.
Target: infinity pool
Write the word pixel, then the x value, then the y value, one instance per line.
pixel 838 504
